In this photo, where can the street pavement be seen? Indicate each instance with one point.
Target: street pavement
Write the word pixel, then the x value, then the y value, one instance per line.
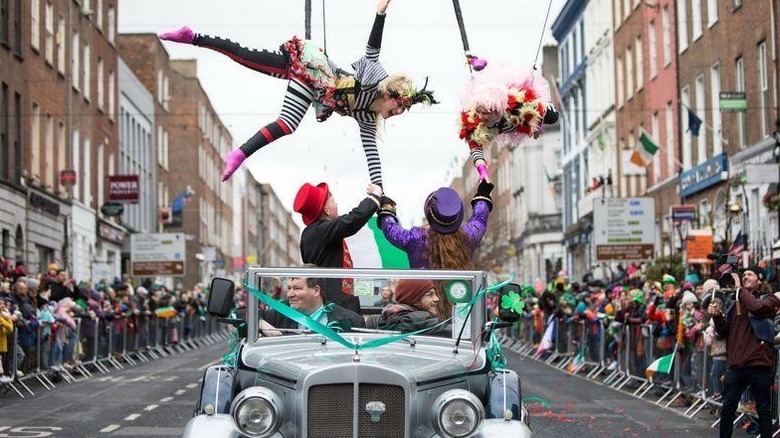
pixel 156 399
pixel 565 405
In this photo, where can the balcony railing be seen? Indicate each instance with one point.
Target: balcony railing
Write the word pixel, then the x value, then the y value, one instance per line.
pixel 543 223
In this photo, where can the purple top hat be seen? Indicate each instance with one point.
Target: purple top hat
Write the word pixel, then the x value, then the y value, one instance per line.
pixel 444 210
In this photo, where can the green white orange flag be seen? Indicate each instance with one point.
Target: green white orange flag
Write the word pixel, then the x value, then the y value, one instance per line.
pixel 661 365
pixel 370 249
pixel 645 150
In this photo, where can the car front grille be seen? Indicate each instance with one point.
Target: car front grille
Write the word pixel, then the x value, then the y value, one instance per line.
pixel 330 411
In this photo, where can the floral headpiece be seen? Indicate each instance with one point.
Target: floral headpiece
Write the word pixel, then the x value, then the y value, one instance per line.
pixel 411 96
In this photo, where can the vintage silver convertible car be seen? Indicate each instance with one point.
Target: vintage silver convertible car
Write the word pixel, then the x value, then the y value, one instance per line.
pixel 310 385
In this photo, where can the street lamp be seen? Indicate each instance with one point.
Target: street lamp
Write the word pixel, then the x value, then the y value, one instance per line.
pixel 734 209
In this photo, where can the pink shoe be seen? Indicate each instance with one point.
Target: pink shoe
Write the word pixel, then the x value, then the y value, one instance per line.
pixel 232 163
pixel 184 35
pixel 477 63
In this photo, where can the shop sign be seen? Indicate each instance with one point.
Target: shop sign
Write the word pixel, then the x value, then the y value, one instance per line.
pixel 123 188
pixel 704 175
pixel 112 234
pixel 44 203
pixel 112 209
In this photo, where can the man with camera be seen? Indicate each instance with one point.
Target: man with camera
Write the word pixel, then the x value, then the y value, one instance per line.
pixel 747 326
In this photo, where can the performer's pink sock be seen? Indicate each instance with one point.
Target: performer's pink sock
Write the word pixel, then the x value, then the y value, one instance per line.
pixel 232 163
pixel 184 35
pixel 482 171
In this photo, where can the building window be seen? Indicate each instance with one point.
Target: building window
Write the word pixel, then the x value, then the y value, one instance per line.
pixel 48 175
pixel 620 83
pixel 75 68
pixel 49 20
pixel 652 45
pixel 35 24
pixel 687 152
pixel 111 92
pixel 87 71
pixel 99 14
pixel 35 141
pixel 62 148
pixel 701 150
pixel 696 21
pixel 682 26
pixel 763 88
pixel 87 179
pixel 717 125
pixel 705 213
pixel 4 153
pixel 111 25
pixel 61 44
pixel 4 19
pixel 17 37
pixel 76 142
pixel 666 36
pixel 629 73
pixel 640 64
pixel 656 132
pixel 17 162
pixel 740 83
pixel 100 84
pixel 670 148
pixel 712 12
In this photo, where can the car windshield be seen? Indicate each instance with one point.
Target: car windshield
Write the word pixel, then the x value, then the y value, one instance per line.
pixel 430 303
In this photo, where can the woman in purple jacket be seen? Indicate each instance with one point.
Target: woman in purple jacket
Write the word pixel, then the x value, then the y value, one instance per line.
pixel 446 242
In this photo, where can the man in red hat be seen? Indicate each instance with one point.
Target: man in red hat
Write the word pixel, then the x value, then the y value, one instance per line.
pixel 322 241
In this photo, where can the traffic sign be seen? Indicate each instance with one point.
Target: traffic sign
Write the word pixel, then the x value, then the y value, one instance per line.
pixel 682 213
pixel 624 228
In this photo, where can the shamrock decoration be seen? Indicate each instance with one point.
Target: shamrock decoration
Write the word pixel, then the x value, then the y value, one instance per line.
pixel 512 301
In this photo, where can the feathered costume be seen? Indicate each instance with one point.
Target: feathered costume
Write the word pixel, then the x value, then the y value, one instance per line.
pixel 506 105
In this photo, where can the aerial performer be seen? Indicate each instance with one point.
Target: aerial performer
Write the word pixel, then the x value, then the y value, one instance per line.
pixel 369 95
pixel 501 104
pixel 504 105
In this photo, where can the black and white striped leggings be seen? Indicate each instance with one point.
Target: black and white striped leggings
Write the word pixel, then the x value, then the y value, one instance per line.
pixel 297 98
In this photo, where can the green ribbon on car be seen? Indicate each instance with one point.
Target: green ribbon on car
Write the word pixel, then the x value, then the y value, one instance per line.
pixel 231 358
pixel 328 332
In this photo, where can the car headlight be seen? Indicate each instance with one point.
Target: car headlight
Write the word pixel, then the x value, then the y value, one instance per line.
pixel 457 414
pixel 257 412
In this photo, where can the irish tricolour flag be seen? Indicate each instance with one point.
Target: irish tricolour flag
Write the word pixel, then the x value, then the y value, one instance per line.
pixel 370 249
pixel 661 365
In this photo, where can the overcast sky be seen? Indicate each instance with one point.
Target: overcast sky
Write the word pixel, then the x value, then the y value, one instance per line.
pixel 420 150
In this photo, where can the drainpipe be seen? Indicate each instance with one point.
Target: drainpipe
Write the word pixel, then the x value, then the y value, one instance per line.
pixel 773 32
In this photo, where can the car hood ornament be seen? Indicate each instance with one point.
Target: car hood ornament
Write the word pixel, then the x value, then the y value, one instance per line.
pixel 375 409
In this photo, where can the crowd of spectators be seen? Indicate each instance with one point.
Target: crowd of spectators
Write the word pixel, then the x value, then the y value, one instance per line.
pixel 51 321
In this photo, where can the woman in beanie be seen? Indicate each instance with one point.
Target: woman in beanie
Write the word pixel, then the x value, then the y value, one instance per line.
pixel 446 242
pixel 416 307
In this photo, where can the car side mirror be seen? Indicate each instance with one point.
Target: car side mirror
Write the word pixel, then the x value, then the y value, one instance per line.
pixel 221 297
pixel 508 315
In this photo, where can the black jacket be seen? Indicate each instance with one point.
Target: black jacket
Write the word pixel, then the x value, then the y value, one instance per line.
pixel 322 245
pixel 345 319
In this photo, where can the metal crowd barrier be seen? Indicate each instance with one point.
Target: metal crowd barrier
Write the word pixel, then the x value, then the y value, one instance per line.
pixel 70 355
pixel 586 348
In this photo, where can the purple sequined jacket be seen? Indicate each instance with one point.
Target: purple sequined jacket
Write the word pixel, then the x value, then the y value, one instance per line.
pixel 415 240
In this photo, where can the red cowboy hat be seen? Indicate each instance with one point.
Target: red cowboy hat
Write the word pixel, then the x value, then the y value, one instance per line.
pixel 310 201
